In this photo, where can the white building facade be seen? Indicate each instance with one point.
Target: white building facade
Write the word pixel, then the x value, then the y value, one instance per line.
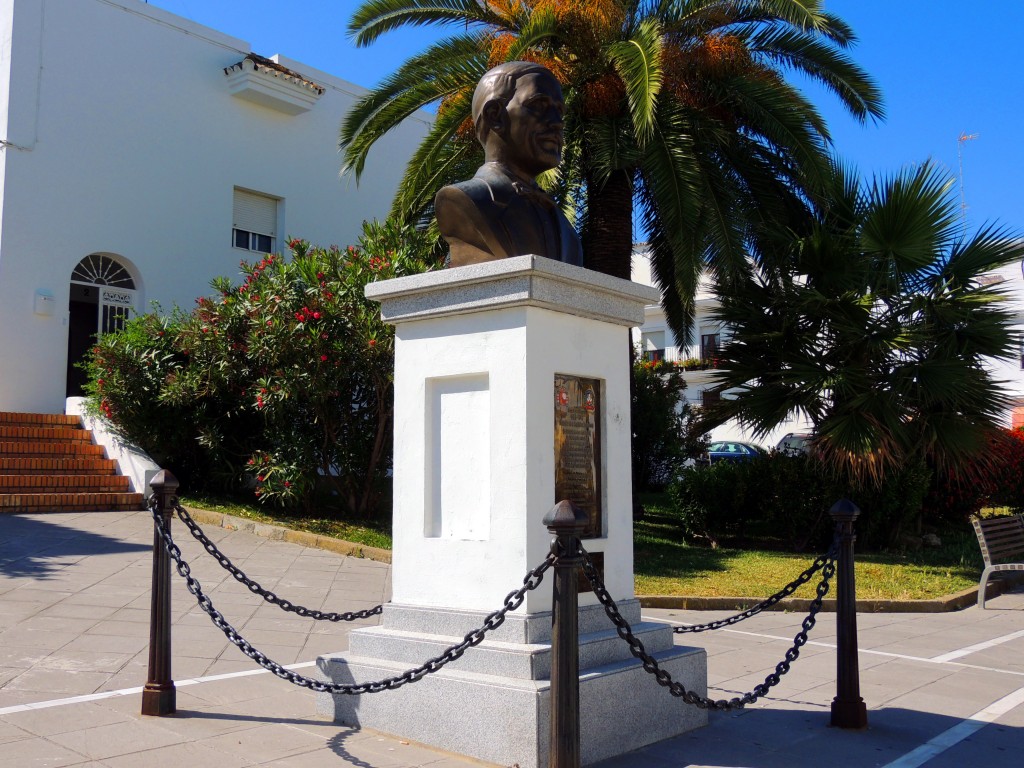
pixel 144 154
pixel 656 340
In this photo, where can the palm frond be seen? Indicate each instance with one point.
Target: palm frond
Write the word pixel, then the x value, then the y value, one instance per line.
pixel 539 28
pixel 377 17
pixel 638 63
pixel 836 71
pixel 909 219
pixel 446 68
pixel 438 161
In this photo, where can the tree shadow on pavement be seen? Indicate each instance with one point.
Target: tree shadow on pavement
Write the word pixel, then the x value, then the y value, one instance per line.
pixel 786 738
pixel 34 548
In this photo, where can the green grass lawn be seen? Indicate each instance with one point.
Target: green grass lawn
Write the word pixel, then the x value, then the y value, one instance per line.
pixel 667 565
pixel 369 533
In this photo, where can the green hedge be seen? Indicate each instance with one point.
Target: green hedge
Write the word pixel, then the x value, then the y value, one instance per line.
pixel 788 498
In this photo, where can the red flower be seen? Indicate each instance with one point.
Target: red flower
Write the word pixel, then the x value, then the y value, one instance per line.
pixel 323 358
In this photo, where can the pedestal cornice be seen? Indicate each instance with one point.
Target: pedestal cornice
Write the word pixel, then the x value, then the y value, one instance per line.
pixel 521 281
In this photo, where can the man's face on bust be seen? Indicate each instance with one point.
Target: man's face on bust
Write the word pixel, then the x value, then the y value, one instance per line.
pixel 533 136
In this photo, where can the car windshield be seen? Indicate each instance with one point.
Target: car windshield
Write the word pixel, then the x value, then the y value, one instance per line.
pixel 729 448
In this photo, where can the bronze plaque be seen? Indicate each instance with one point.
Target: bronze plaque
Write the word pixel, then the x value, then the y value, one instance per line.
pixel 578 447
pixel 582 582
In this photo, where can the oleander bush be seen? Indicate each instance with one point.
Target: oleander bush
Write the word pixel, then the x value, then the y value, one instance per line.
pixel 995 479
pixel 281 384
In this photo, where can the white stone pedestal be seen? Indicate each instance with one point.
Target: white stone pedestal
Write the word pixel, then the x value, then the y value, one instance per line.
pixel 476 354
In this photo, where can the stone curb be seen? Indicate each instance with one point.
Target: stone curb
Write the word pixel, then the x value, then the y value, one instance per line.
pixel 954 602
pixel 280 533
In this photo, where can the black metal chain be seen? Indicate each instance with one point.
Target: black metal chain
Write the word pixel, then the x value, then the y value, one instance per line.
pixel 494 620
pixel 650 664
pixel 256 588
pixel 786 591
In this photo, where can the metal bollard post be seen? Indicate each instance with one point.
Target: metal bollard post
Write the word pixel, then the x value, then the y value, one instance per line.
pixel 848 708
pixel 158 695
pixel 566 521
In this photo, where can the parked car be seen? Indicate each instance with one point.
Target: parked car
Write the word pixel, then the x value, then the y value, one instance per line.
pixel 795 443
pixel 728 450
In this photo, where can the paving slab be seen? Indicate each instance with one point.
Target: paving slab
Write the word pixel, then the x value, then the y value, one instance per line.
pixel 74 597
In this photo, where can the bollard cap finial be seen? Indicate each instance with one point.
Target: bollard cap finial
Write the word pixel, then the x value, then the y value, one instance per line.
pixel 844 510
pixel 565 517
pixel 164 481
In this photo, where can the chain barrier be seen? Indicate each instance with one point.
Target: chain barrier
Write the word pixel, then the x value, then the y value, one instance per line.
pixel 767 603
pixel 650 664
pixel 494 620
pixel 258 589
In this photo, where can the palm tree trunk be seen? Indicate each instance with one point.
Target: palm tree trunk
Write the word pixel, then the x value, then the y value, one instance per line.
pixel 608 238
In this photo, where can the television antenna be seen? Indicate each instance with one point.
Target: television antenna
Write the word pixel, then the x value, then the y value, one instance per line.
pixel 960 157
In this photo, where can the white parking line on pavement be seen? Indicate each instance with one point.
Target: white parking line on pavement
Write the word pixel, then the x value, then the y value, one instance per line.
pixel 130 691
pixel 959 732
pixel 979 647
pixel 869 651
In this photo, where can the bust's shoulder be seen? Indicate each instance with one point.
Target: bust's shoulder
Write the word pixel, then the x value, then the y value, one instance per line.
pixel 488 187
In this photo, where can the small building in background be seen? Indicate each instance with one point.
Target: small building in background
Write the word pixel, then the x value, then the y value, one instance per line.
pixel 142 155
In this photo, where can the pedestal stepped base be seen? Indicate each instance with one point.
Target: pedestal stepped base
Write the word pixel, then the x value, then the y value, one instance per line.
pixel 493 703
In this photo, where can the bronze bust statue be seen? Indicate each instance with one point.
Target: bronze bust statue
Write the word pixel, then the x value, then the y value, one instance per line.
pixel 500 212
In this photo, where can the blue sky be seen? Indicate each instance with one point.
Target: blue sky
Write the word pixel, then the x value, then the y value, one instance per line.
pixel 945 68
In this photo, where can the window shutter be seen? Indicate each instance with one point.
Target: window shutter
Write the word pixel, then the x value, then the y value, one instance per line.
pixel 255 213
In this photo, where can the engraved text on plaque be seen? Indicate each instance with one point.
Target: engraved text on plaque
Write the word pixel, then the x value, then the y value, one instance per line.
pixel 578 447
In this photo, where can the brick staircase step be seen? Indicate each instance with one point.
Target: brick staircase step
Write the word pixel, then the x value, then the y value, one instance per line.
pixel 48 448
pixel 54 483
pixel 48 463
pixel 39 419
pixel 18 433
pixel 69 502
pixel 38 465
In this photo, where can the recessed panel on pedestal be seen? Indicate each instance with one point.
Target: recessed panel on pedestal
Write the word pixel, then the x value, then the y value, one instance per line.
pixel 458 467
pixel 578 447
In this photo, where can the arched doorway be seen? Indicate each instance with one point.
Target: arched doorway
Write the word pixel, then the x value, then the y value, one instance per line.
pixel 102 294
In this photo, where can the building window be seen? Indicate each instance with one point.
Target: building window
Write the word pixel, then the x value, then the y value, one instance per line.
pixel 254 222
pixel 97 269
pixel 252 241
pixel 709 345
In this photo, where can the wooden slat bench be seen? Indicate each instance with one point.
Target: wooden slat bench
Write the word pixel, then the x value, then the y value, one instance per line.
pixel 1002 546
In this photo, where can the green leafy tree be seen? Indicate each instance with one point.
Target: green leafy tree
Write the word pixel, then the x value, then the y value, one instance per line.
pixel 665 431
pixel 284 381
pixel 874 319
pixel 680 105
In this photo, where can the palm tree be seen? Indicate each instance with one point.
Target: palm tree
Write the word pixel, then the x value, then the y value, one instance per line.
pixel 679 105
pixel 875 319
